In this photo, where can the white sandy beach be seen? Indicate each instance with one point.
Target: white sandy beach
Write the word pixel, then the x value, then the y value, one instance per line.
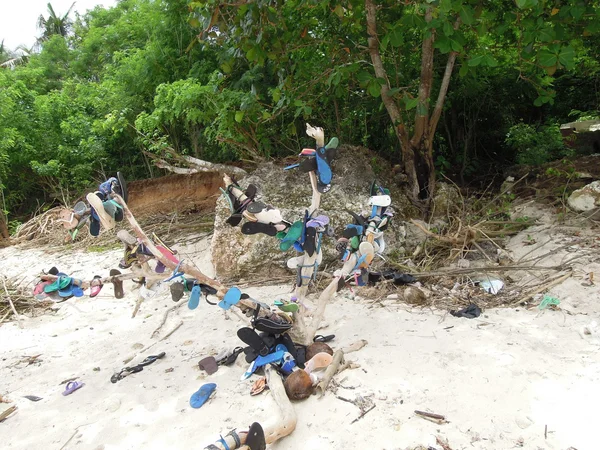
pixel 499 379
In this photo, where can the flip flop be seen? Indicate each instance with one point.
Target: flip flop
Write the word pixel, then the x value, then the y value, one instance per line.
pixel 232 297
pixel 234 220
pixel 261 361
pixel 270 326
pixel 231 358
pixel 269 216
pixel 160 267
pixel 293 234
pixel 256 207
pixel 200 397
pixel 60 283
pixel 68 219
pixel 321 338
pixel 253 340
pixel 126 238
pixel 310 241
pixel 287 306
pixel 107 186
pixel 257 227
pixel 94 224
pixel 118 284
pixel 96 203
pixel 72 386
pixel 122 187
pixel 380 200
pixel 95 288
pixel 208 364
pixel 194 300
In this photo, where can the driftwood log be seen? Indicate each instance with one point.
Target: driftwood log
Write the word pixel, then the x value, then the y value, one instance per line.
pixel 283 422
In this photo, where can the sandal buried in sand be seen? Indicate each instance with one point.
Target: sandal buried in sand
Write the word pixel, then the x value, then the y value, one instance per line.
pixel 200 397
pixel 118 284
pixel 255 440
pixel 208 364
pixel 72 386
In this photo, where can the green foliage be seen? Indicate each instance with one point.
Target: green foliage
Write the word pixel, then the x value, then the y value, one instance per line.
pixel 536 146
pixel 157 75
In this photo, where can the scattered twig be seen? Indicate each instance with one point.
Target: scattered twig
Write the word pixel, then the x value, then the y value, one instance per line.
pixel 429 415
pixel 164 319
pixel 443 442
pixel 12 306
pixel 363 414
pixel 172 331
pixel 542 288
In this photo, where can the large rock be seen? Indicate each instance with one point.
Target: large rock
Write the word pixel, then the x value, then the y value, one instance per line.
pixel 235 255
pixel 585 199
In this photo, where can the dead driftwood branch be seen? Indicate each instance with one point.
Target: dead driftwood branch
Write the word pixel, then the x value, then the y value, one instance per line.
pixel 363 414
pixel 12 305
pixel 195 165
pixel 164 319
pixel 283 424
pixel 553 282
pixel 427 415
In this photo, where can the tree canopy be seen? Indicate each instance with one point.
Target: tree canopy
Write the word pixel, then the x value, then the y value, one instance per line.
pixel 459 87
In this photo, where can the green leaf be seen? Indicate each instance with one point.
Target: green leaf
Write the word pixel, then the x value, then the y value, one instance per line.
pixel 276 95
pixel 522 3
pixel 466 14
pixel 456 46
pixel 266 115
pixel 476 60
pixel 339 11
pixel 411 103
pixel 546 34
pixel 374 89
pixel 448 29
pixel 490 61
pixel 567 56
pixel 363 77
pixel 577 11
pixel 251 54
pixel 396 37
pixel 422 109
pixel 464 70
pixel 239 116
pixel 546 58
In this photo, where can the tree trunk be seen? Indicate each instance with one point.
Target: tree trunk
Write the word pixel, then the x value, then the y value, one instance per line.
pixel 4 234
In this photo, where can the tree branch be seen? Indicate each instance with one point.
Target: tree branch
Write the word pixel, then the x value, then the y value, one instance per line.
pixel 422 113
pixel 373 41
pixel 439 104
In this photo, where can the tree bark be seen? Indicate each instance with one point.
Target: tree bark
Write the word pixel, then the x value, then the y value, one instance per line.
pixel 408 156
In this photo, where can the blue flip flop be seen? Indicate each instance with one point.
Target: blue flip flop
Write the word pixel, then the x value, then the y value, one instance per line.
pixel 200 397
pixel 232 297
pixel 194 297
pixel 260 361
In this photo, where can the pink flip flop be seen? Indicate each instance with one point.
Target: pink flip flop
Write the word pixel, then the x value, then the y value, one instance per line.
pixel 96 288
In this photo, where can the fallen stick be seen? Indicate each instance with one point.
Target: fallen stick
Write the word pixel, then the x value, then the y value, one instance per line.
pixel 363 414
pixel 430 415
pixel 443 442
pixel 7 412
pixel 164 319
pixel 283 425
pixel 355 347
pixel 12 306
pixel 542 288
pixel 171 332
pixel 444 273
pixel 338 358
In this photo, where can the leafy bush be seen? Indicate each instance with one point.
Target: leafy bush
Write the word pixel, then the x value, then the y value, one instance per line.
pixel 536 146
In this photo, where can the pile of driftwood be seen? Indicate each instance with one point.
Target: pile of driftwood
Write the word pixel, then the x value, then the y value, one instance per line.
pixel 14 302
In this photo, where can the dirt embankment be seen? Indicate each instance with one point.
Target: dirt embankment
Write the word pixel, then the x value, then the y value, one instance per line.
pixel 196 192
